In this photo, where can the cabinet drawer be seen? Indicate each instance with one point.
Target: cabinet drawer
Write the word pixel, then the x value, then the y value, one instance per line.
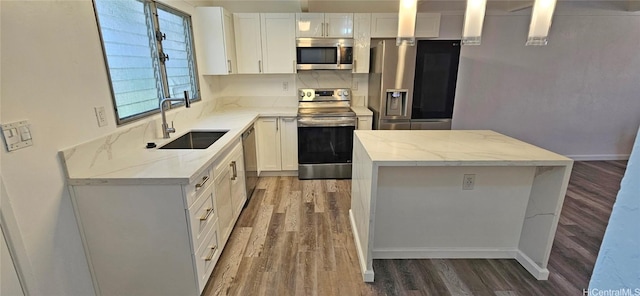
pixel 207 256
pixel 202 214
pixel 202 182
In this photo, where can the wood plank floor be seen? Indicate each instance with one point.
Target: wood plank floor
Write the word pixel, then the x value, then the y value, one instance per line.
pixel 294 238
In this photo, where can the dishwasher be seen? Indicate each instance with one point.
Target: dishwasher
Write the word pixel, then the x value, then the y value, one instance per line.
pixel 250 160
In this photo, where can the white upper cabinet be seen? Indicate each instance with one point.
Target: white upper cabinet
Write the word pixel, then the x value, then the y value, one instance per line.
pixel 248 42
pixel 310 25
pixel 339 25
pixel 329 25
pixel 428 25
pixel 278 43
pixel 214 37
pixel 265 42
pixel 361 42
pixel 385 25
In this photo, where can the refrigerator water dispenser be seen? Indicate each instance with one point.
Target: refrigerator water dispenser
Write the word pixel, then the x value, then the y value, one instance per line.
pixel 396 102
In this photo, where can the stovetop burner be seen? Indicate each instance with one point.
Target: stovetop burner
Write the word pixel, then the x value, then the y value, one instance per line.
pixel 325 102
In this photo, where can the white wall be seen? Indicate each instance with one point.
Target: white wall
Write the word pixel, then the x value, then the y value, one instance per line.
pixel 53 74
pixel 9 282
pixel 578 96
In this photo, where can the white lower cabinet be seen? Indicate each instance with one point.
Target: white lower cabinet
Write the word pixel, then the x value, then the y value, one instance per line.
pixel 230 190
pixel 365 122
pixel 223 201
pixel 160 239
pixel 289 143
pixel 206 257
pixel 277 143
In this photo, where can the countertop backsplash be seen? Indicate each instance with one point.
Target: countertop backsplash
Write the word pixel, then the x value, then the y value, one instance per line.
pixel 324 79
pixel 256 101
pixel 284 101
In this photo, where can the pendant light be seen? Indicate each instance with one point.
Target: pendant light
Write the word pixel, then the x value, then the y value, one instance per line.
pixel 473 20
pixel 407 22
pixel 540 22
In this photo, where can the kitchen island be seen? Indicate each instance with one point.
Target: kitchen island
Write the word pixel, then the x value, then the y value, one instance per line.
pixel 455 194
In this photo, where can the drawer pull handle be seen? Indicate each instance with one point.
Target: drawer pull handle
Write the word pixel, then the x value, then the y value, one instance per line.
pixel 213 251
pixel 206 216
pixel 235 170
pixel 204 180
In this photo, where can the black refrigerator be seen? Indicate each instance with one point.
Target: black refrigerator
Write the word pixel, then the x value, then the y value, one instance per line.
pixel 413 87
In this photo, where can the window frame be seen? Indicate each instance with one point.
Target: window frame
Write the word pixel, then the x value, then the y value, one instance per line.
pixel 163 92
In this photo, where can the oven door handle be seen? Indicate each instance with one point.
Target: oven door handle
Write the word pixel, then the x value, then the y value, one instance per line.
pixel 328 122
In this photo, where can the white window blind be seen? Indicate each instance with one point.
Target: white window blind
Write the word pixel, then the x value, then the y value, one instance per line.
pixel 148 58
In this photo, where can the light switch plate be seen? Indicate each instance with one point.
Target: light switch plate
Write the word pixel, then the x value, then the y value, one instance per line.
pixel 17 135
pixel 101 116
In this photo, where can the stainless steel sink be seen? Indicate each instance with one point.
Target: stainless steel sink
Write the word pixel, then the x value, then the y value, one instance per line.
pixel 195 140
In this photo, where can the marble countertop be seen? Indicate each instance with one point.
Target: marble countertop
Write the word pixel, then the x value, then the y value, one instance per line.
pixel 87 164
pixel 361 111
pixel 453 148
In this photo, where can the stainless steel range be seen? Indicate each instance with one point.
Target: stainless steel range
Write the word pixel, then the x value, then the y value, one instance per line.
pixel 325 133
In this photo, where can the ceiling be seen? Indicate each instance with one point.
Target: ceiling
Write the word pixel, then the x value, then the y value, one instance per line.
pixel 392 5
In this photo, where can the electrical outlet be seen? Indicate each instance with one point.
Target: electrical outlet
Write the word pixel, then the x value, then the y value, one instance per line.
pixel 468 181
pixel 101 116
pixel 285 86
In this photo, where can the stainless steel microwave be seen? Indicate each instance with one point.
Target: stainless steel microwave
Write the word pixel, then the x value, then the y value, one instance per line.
pixel 324 54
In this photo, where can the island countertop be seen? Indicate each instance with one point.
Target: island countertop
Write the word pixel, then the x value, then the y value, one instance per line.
pixel 452 148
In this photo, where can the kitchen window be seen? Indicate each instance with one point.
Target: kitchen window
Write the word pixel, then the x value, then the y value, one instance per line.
pixel 148 49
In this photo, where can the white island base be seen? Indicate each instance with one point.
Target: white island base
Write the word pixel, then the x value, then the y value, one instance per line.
pixel 408 200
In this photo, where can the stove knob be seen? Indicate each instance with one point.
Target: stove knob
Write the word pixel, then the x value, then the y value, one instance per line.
pixel 301 94
pixel 339 92
pixel 345 93
pixel 308 94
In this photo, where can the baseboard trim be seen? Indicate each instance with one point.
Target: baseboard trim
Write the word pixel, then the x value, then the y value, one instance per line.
pixel 444 253
pixel 541 274
pixel 367 275
pixel 459 253
pixel 586 157
pixel 279 174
